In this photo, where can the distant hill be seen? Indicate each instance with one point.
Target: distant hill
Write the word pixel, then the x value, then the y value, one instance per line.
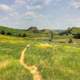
pixel 33 29
pixel 12 31
pixel 75 30
pixel 34 32
pixel 30 32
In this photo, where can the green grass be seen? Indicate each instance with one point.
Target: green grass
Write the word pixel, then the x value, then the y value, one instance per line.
pixel 59 62
pixel 10 49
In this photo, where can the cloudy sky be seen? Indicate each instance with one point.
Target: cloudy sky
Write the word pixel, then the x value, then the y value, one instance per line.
pixel 53 14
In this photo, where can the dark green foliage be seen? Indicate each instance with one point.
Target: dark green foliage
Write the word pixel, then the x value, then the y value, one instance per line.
pixel 2 32
pixel 19 35
pixel 24 35
pixel 77 36
pixel 8 33
pixel 73 32
pixel 65 32
pixel 13 32
pixel 70 41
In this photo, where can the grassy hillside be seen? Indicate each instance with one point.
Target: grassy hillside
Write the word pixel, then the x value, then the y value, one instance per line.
pixel 45 34
pixel 11 30
pixel 32 32
pixel 55 61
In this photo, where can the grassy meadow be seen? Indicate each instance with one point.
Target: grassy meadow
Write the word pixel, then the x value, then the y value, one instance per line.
pixel 55 61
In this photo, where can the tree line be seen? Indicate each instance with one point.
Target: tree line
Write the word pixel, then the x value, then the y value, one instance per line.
pixel 74 31
pixel 11 34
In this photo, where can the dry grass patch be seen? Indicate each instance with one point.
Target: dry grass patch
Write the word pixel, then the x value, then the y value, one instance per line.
pixel 4 64
pixel 44 45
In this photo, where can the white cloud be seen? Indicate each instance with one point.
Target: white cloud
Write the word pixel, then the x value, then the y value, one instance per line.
pixel 42 2
pixel 37 4
pixel 33 1
pixel 33 7
pixel 20 1
pixel 40 17
pixel 29 13
pixel 13 13
pixel 8 10
pixel 34 15
pixel 47 2
pixel 4 8
pixel 33 4
pixel 76 3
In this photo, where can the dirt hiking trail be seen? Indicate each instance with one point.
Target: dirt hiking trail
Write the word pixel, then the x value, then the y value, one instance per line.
pixel 33 69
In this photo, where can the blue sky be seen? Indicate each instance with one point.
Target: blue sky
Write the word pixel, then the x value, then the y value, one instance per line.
pixel 52 14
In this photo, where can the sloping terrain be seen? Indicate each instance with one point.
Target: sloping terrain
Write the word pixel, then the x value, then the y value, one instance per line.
pixel 58 61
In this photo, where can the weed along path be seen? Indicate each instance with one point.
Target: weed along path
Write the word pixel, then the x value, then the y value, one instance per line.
pixel 33 69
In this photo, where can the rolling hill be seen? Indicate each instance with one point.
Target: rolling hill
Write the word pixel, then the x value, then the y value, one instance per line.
pixel 31 32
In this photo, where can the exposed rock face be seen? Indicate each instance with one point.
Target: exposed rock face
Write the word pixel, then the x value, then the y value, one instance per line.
pixel 33 29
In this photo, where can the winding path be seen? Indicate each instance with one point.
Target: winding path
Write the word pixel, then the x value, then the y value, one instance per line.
pixel 33 69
